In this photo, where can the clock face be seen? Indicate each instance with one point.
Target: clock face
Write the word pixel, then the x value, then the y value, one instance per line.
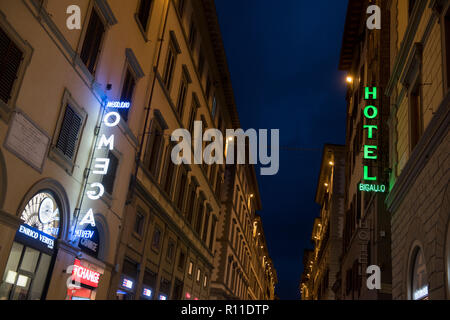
pixel 42 213
pixel 46 211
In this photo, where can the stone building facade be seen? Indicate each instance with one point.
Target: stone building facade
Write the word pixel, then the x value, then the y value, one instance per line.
pixel 418 200
pixel 322 264
pixel 244 269
pixel 365 57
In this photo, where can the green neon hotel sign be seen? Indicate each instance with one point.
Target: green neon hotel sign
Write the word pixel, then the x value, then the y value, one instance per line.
pixel 369 183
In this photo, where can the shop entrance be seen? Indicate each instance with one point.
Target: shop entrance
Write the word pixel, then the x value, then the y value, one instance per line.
pixel 26 273
pixel 30 261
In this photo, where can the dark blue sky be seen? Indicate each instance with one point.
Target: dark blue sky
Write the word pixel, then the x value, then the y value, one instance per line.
pixel 283 58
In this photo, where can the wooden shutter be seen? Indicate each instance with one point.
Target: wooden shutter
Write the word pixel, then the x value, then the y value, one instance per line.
pixel 68 135
pixel 10 58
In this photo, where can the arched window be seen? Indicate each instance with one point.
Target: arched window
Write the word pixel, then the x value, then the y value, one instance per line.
pixel 30 259
pixel 419 276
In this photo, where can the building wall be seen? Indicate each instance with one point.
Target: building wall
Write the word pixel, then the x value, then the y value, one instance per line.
pixel 419 195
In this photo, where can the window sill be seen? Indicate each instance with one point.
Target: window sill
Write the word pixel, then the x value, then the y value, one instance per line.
pixel 56 156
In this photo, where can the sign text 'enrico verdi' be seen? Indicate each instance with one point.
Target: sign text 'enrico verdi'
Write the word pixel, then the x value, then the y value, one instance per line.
pixel 97 190
pixel 369 183
pixel 214 152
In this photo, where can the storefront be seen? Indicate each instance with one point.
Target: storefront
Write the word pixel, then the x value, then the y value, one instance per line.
pixel 32 256
pixel 84 282
pixel 128 281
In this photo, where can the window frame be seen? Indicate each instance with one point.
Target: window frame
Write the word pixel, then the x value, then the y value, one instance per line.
pixel 142 28
pixel 27 52
pixel 54 153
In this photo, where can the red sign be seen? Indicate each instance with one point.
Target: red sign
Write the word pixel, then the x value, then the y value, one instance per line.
pixel 84 275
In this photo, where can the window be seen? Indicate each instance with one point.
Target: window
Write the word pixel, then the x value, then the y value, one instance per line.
pixel 205 226
pixel 144 13
pixel 213 230
pixel 214 107
pixel 170 250
pixel 170 171
pixel 192 34
pixel 198 225
pixel 208 88
pixel 193 114
pixel 127 92
pixel 205 281
pixel 139 223
pixel 110 177
pixel 182 96
pixel 199 274
pixel 170 65
pixel 201 64
pixel 190 212
pixel 218 183
pixel 191 268
pixel 10 59
pixel 69 133
pixel 181 260
pixel 92 41
pixel 416 123
pixel 447 46
pixel 419 277
pixel 156 238
pixel 181 5
pixel 155 145
pixel 411 4
pixel 182 189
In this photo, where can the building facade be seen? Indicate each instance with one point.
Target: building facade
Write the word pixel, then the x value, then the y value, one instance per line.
pixel 244 269
pixel 366 241
pixel 418 201
pixel 322 264
pixel 87 185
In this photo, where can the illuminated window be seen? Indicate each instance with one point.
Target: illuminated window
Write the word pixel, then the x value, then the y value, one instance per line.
pixel 191 268
pixel 419 277
pixel 199 273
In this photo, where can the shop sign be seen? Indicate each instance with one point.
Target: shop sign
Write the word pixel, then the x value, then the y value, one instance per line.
pixel 35 238
pixel 369 183
pixel 162 297
pixel 84 275
pixel 127 283
pixel 101 165
pixel 147 293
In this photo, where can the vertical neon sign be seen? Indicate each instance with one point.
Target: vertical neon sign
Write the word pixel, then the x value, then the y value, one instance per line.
pixel 101 165
pixel 370 151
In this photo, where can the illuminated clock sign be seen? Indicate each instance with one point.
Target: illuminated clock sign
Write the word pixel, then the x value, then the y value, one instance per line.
pixel 369 183
pixel 101 165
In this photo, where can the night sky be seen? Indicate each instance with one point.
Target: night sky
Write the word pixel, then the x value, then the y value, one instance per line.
pixel 283 58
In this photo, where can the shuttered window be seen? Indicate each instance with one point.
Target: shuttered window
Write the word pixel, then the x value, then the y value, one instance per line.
pixel 10 58
pixel 110 177
pixel 170 66
pixel 69 133
pixel 92 41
